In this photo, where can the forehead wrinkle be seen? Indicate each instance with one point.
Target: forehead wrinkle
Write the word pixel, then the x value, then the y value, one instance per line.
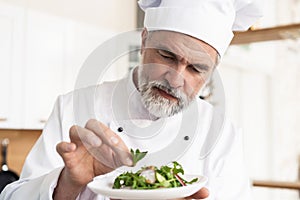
pixel 196 52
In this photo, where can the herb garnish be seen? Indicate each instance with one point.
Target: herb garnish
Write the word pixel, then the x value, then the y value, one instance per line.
pixel 137 155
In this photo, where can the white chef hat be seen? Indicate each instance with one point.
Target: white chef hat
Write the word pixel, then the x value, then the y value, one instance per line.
pixel 212 21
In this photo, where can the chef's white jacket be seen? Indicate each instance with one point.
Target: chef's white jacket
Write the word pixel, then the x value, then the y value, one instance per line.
pixel 118 104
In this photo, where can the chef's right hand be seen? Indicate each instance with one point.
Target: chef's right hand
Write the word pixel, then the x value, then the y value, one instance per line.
pixel 93 150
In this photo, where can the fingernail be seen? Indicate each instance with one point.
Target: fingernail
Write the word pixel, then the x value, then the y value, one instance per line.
pixel 96 142
pixel 128 161
pixel 71 147
pixel 114 140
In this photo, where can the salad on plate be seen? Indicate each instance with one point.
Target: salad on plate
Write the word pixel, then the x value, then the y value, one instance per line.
pixel 152 177
pixel 149 182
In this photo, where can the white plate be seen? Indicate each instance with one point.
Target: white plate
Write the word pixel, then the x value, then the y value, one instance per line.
pixel 103 185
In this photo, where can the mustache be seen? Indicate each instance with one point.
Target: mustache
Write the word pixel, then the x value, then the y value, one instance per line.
pixel 165 86
pixel 160 106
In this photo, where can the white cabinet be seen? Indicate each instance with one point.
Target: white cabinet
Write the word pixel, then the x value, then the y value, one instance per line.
pixel 31 66
pixel 42 48
pixel 44 66
pixel 40 56
pixel 5 69
pixel 11 61
pixel 55 50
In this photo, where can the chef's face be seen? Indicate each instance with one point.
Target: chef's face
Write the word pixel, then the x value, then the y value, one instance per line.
pixel 174 69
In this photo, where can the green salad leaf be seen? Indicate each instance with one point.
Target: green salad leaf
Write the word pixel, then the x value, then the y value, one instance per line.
pixel 151 177
pixel 137 155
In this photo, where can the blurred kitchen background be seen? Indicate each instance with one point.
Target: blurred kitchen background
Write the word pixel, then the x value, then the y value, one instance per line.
pixel 43 44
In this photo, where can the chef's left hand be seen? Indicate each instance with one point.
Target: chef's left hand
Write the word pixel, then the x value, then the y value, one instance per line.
pixel 201 194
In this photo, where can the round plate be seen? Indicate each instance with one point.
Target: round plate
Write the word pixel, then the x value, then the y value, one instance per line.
pixel 103 186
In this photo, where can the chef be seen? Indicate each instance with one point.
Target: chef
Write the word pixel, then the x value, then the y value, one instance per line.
pixel 155 108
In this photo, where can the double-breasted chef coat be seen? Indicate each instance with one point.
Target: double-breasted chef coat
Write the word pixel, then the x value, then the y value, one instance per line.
pixel 117 104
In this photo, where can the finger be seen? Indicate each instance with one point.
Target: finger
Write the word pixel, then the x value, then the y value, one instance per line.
pixel 201 194
pixel 106 134
pixel 65 150
pixel 107 161
pixel 80 135
pixel 65 147
pixel 106 155
pixel 112 140
pixel 72 154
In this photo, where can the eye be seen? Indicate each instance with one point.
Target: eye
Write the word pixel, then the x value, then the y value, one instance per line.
pixel 199 68
pixel 195 69
pixel 165 54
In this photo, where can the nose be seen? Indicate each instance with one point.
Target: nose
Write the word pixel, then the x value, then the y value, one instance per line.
pixel 175 77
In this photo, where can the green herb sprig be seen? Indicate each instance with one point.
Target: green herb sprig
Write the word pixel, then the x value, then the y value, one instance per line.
pixel 137 155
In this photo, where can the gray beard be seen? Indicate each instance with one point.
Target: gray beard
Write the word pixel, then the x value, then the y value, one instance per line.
pixel 160 106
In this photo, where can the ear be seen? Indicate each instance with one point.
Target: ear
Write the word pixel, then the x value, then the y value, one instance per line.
pixel 144 36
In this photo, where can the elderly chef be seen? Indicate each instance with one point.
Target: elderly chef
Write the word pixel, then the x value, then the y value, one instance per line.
pixel 156 108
